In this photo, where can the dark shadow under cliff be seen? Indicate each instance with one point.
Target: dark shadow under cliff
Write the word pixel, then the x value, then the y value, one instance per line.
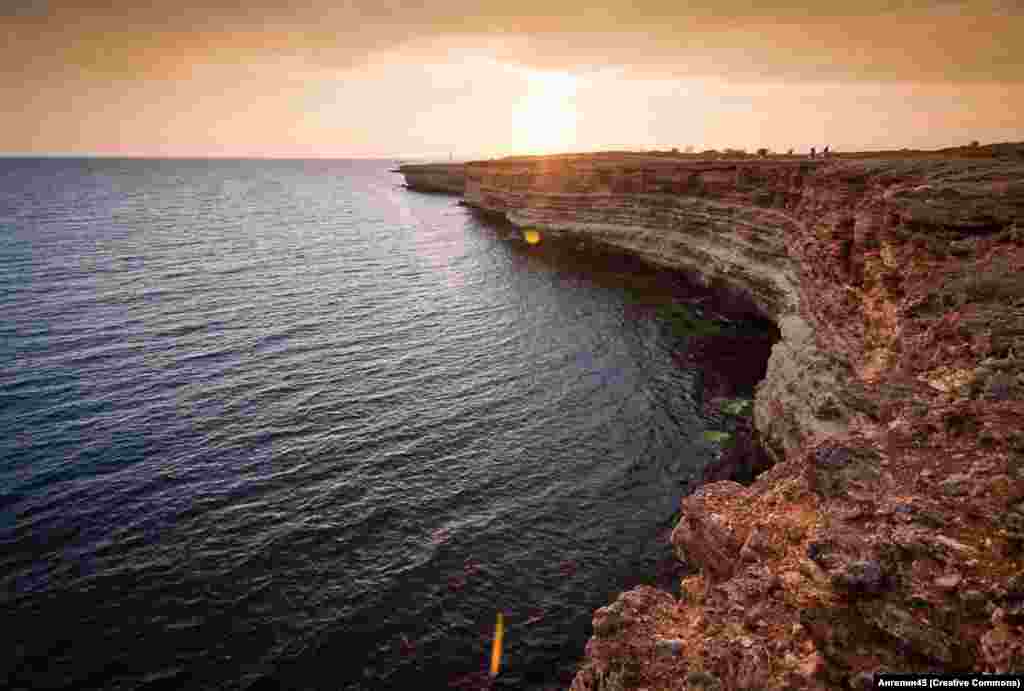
pixel 724 338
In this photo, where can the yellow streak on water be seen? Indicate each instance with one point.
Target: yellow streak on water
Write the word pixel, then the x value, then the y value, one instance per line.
pixel 499 634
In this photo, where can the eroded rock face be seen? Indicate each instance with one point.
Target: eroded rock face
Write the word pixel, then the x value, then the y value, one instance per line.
pixel 888 534
pixel 708 536
pixel 444 178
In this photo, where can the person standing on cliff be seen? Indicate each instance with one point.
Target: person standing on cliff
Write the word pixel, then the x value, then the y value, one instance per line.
pixel 824 152
pixel 813 152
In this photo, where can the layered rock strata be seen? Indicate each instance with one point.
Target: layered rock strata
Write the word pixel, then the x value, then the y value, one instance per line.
pixel 888 535
pixel 730 225
pixel 444 178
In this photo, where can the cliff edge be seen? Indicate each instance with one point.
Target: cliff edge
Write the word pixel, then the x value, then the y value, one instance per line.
pixel 888 535
pixel 443 178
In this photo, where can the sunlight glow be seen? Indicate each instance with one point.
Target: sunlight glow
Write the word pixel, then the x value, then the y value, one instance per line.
pixel 545 121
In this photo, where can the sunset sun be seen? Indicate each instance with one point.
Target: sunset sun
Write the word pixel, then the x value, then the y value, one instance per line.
pixel 545 121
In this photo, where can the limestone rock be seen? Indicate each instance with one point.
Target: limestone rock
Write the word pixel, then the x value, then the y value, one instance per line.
pixel 837 470
pixel 890 513
pixel 608 620
pixel 704 536
pixel 863 577
pixel 441 177
pixel 1002 649
pixel 669 647
pixel 956 485
pixel 914 633
pixel 703 681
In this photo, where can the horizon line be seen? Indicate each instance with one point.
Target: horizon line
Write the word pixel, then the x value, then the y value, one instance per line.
pixel 434 158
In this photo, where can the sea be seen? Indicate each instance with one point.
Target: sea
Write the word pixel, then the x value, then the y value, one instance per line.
pixel 286 424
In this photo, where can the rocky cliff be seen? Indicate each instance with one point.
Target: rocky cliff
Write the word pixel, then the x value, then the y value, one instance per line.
pixel 446 178
pixel 888 535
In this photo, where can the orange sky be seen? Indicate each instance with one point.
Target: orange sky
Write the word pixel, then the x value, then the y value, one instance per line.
pixel 482 78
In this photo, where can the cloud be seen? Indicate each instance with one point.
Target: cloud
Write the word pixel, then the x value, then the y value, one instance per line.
pixel 877 40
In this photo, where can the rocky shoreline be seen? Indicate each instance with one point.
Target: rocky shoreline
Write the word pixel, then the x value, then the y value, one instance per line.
pixel 888 534
pixel 442 178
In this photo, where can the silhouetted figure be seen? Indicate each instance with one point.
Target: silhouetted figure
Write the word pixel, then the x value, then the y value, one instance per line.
pixel 813 152
pixel 824 152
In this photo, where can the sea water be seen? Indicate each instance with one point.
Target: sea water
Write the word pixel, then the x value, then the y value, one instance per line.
pixel 286 424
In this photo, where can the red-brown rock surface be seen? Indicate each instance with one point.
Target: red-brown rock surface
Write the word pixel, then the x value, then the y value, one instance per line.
pixel 888 536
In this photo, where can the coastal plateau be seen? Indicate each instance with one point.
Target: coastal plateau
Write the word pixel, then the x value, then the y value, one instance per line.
pixel 446 178
pixel 888 535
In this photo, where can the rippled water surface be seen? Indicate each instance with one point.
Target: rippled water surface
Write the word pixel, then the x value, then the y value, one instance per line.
pixel 285 424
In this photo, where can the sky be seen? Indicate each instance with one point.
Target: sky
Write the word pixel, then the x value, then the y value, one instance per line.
pixel 481 78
